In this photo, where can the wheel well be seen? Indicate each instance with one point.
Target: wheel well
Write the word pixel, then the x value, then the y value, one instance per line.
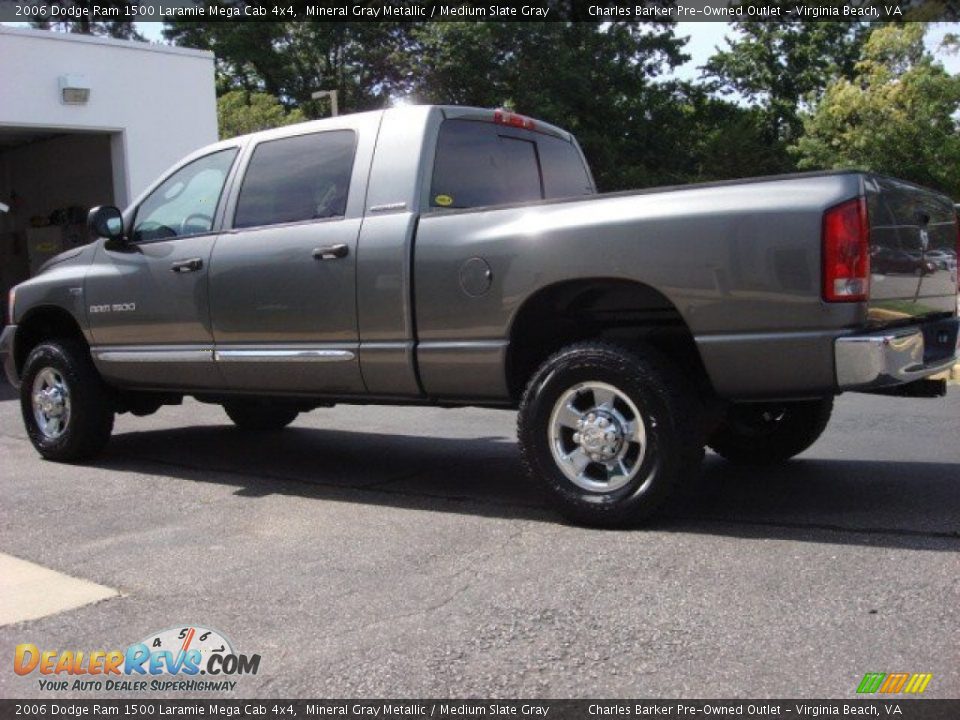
pixel 618 310
pixel 42 324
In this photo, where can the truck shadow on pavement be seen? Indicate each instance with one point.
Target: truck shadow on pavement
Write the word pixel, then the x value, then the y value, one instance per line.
pixel 913 505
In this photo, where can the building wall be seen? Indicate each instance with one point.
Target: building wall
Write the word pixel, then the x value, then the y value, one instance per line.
pixel 159 101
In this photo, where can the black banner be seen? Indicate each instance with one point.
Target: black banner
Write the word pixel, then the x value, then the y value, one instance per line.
pixel 478 10
pixel 459 709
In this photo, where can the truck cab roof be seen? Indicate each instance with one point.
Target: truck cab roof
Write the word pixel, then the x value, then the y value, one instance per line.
pixel 460 112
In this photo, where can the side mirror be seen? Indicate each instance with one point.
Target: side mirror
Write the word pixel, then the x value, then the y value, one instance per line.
pixel 106 221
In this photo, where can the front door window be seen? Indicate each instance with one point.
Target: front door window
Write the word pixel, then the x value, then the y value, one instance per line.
pixel 186 202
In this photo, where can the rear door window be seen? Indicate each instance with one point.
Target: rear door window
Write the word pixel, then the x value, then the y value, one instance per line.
pixel 473 168
pixel 480 164
pixel 297 179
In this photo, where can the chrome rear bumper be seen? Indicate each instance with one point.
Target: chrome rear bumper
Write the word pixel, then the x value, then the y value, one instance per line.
pixel 896 356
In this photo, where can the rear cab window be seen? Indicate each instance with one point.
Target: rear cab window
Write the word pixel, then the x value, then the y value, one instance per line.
pixel 480 163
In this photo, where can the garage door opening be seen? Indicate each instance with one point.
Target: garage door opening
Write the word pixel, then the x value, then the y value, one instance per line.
pixel 49 179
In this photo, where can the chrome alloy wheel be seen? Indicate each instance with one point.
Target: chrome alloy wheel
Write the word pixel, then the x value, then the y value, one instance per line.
pixel 597 437
pixel 51 403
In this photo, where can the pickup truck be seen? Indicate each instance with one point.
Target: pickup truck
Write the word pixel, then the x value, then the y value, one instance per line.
pixel 458 256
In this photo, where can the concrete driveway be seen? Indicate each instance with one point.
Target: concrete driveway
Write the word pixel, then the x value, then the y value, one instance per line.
pixel 388 552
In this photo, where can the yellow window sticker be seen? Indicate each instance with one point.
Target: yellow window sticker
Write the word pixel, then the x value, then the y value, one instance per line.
pixel 443 200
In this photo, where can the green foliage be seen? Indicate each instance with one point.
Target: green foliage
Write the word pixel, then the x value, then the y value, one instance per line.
pixel 776 65
pixel 727 141
pixel 598 80
pixel 123 29
pixel 595 79
pixel 291 60
pixel 605 83
pixel 239 113
pixel 896 116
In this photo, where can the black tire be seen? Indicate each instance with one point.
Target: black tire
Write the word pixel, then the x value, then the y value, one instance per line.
pixel 770 433
pixel 89 420
pixel 671 450
pixel 260 416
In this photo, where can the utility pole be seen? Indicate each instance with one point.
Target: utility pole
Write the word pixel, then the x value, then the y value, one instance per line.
pixel 332 94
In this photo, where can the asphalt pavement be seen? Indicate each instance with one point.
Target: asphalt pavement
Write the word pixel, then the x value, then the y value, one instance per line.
pixel 398 552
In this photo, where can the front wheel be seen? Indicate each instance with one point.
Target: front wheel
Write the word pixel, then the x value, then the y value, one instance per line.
pixel 770 433
pixel 609 432
pixel 67 408
pixel 260 416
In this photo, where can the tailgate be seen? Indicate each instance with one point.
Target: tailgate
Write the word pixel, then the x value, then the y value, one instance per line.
pixel 913 251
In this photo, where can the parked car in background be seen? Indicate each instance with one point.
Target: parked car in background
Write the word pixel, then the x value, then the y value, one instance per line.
pixel 943 259
pixel 890 261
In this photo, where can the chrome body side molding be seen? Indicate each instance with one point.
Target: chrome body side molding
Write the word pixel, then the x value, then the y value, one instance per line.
pixel 141 354
pixel 298 355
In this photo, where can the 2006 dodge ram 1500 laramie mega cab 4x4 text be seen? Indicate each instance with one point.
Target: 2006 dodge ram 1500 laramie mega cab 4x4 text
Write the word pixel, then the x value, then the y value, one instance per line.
pixel 459 256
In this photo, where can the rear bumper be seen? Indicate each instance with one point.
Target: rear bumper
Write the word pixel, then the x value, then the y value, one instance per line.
pixel 896 356
pixel 7 355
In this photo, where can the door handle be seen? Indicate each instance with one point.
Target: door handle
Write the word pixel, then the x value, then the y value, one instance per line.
pixel 330 252
pixel 184 266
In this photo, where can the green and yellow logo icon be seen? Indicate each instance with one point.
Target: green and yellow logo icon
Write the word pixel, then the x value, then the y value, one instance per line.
pixel 892 683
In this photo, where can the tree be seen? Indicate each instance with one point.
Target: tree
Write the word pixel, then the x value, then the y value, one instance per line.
pixel 123 29
pixel 291 60
pixel 240 112
pixel 606 82
pixel 896 116
pixel 601 81
pixel 777 65
pixel 728 141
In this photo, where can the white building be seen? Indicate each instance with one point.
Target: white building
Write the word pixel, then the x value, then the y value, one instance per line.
pixel 88 121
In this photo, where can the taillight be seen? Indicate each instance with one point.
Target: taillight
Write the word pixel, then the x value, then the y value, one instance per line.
pixel 11 299
pixel 505 117
pixel 846 252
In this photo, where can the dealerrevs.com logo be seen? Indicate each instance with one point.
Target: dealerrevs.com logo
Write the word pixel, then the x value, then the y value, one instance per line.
pixel 172 660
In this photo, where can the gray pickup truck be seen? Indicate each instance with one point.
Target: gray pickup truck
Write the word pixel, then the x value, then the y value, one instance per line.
pixel 458 256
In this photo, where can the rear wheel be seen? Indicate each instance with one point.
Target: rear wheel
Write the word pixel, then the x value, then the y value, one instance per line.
pixel 609 432
pixel 253 415
pixel 769 433
pixel 67 409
